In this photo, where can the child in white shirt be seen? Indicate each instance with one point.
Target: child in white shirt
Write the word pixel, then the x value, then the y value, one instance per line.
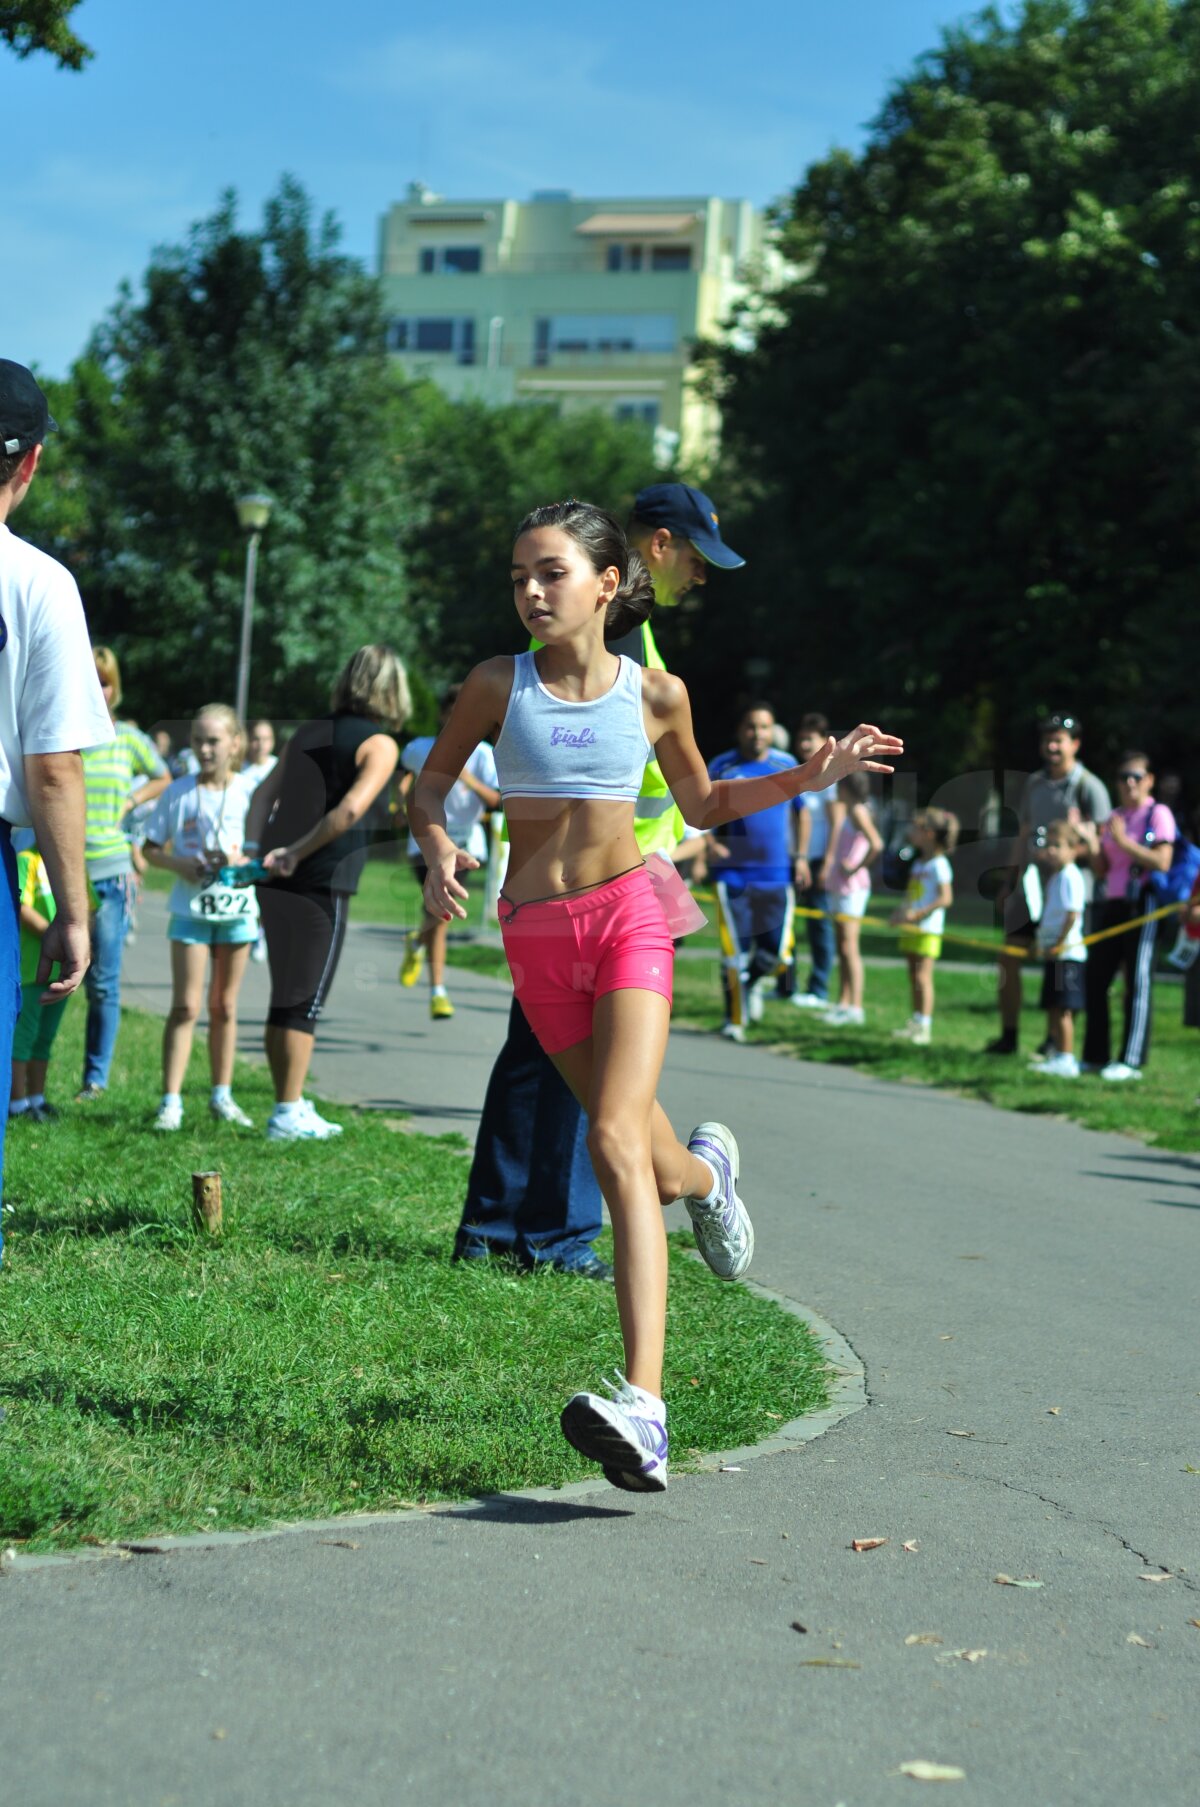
pixel 922 918
pixel 1060 942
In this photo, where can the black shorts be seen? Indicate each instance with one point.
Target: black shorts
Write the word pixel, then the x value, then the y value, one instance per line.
pixel 1064 985
pixel 305 931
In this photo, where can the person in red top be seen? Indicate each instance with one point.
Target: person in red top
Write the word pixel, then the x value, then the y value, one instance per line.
pixel 1139 838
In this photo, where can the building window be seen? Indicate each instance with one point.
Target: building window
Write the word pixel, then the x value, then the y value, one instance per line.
pixel 451 260
pixel 624 257
pixel 604 335
pixel 645 412
pixel 671 257
pixel 450 336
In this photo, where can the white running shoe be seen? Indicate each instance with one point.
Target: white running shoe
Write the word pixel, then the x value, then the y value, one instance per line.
pixel 723 1231
pixel 258 953
pixel 845 1016
pixel 1118 1071
pixel 170 1116
pixel 808 1000
pixel 733 1032
pixel 227 1111
pixel 755 1003
pixel 626 1434
pixel 303 1125
pixel 1058 1066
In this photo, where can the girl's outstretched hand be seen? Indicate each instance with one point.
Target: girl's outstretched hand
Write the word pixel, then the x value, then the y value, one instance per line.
pixel 281 862
pixel 442 889
pixel 864 749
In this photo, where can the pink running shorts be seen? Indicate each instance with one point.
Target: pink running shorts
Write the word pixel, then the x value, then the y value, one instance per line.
pixel 567 952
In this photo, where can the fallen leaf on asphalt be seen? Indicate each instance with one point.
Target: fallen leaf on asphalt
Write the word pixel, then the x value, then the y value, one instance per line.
pixel 912 1546
pixel 1007 1581
pixel 759 1562
pixel 796 1626
pixel 867 1543
pixel 339 1543
pixel 1053 1410
pixel 1165 1576
pixel 923 1637
pixel 920 1771
pixel 220 1733
pixel 960 1656
pixel 1141 1643
pixel 726 1469
pixel 960 1433
pixel 1195 1622
pixel 829 1662
pixel 945 1339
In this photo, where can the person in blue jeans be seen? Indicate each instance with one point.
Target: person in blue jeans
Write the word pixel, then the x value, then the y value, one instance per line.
pixel 532 1196
pixel 108 773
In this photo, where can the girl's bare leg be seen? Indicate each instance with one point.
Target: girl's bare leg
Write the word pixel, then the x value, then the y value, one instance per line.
pixel 228 970
pixel 434 938
pixel 922 985
pixel 639 1162
pixel 189 963
pixel 852 966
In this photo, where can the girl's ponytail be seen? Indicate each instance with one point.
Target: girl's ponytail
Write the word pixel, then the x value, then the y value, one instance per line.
pixel 633 601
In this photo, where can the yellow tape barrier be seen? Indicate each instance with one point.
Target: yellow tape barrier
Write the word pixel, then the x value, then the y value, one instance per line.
pixel 988 947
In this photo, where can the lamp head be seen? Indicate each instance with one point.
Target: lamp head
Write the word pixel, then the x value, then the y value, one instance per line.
pixel 253 512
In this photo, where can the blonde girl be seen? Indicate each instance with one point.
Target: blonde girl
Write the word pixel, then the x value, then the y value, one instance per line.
pixel 573 725
pixel 197 826
pixel 922 917
pixel 848 887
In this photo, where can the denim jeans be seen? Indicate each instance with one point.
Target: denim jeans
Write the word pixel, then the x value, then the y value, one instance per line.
pixel 110 925
pixel 820 937
pixel 531 1192
pixel 10 985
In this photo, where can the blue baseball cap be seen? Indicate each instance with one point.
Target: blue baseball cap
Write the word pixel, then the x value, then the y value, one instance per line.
pixel 690 513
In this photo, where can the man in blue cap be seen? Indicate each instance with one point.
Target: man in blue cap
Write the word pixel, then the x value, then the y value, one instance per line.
pixel 532 1196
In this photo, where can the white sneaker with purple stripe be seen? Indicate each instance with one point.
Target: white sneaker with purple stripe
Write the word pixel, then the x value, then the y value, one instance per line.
pixel 721 1225
pixel 626 1434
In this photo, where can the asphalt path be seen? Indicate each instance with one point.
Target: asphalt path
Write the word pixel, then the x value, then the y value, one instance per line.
pixel 1022 1294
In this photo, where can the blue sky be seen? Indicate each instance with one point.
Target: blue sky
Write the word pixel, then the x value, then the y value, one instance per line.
pixel 184 100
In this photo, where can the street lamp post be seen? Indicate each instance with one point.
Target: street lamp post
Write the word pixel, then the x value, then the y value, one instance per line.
pixel 253 513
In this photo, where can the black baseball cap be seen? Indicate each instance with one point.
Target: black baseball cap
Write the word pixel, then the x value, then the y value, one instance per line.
pixel 1070 724
pixel 25 417
pixel 688 512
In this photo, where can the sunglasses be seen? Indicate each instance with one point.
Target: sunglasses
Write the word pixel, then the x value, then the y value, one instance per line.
pixel 1132 777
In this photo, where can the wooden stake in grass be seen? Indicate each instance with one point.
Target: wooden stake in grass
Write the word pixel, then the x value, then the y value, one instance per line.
pixel 206 1202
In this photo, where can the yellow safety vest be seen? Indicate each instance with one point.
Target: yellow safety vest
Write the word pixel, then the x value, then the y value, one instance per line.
pixel 658 822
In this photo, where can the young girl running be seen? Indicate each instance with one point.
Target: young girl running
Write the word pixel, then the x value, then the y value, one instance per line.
pixel 573 725
pixel 923 916
pixel 198 825
pixel 848 887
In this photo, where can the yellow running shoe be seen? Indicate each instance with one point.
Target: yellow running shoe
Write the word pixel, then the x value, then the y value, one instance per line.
pixel 414 958
pixel 440 1008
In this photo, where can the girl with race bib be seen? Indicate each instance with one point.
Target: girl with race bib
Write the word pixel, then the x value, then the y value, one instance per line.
pixel 587 939
pixel 197 826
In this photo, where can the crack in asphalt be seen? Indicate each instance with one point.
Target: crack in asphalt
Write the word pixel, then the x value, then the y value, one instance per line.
pixel 1069 1512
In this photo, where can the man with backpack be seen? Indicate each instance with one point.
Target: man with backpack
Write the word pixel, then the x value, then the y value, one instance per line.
pixel 1062 791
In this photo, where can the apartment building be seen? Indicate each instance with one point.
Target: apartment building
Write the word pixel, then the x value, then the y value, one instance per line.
pixel 571 303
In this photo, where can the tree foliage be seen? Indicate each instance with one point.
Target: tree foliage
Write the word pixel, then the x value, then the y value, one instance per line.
pixel 484 468
pixel 962 450
pixel 29 25
pixel 253 361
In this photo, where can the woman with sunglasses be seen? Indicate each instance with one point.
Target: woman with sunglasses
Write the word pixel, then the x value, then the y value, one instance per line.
pixel 1138 839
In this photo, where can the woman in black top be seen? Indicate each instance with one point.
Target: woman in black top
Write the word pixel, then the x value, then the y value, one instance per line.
pixel 316 811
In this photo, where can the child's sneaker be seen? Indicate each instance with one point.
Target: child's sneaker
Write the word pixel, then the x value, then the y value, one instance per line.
pixel 845 1016
pixel 722 1228
pixel 1057 1066
pixel 170 1117
pixel 440 1007
pixel 300 1125
pixel 43 1112
pixel 414 958
pixel 808 1000
pixel 627 1435
pixel 733 1032
pixel 920 1034
pixel 227 1111
pixel 755 1003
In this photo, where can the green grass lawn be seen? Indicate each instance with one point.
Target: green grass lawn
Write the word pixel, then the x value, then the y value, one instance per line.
pixel 324 1355
pixel 1159 1108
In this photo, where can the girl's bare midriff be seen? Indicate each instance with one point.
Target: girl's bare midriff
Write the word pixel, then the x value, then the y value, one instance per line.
pixel 562 845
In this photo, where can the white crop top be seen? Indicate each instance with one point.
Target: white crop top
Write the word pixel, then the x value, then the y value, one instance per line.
pixel 549 748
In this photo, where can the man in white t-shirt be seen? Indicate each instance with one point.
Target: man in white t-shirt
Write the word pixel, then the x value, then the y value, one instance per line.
pixel 51 707
pixel 468 801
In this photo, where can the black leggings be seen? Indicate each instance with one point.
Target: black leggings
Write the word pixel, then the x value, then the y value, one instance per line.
pixel 305 931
